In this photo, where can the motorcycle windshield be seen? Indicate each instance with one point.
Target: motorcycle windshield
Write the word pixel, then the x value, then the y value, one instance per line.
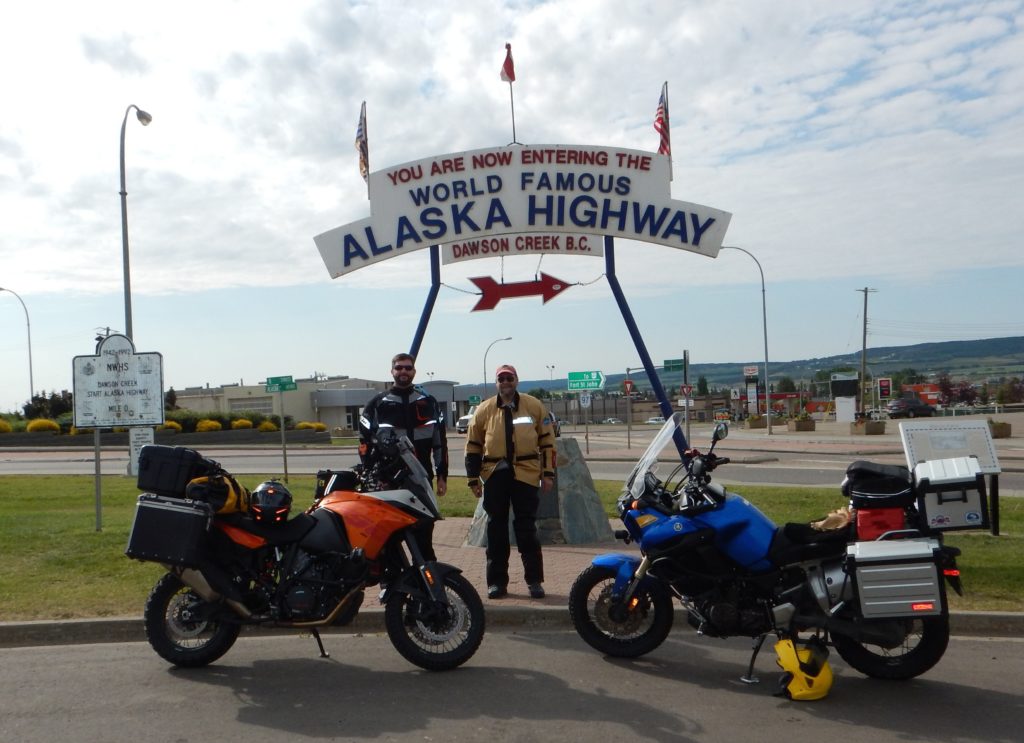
pixel 416 478
pixel 649 461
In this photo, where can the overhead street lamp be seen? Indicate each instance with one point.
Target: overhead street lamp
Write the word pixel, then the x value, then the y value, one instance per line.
pixel 144 119
pixel 551 371
pixel 499 340
pixel 764 320
pixel 28 327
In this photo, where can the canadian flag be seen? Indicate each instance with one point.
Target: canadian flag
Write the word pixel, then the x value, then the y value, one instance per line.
pixel 508 70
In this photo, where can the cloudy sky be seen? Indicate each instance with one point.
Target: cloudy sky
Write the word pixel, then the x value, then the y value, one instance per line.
pixel 857 145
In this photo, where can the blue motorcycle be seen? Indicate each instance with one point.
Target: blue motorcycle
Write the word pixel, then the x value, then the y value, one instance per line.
pixel 867 581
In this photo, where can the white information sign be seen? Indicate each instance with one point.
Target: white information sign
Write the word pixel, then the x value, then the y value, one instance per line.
pixel 925 441
pixel 118 387
pixel 138 437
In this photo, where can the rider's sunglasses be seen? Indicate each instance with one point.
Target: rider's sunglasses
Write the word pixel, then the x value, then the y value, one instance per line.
pixel 506 378
pixel 403 367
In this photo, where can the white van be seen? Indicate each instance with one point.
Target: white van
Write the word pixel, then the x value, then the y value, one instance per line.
pixel 462 424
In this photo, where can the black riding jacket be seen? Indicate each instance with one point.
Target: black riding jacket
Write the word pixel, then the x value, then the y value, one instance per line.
pixel 412 412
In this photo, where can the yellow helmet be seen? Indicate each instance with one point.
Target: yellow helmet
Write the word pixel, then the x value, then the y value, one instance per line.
pixel 808 675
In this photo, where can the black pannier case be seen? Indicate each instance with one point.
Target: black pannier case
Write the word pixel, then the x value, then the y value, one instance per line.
pixel 168 530
pixel 873 485
pixel 167 470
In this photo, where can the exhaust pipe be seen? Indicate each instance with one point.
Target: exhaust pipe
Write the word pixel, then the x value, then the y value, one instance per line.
pixel 198 583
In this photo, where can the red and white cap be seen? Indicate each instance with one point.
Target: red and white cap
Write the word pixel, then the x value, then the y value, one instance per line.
pixel 506 369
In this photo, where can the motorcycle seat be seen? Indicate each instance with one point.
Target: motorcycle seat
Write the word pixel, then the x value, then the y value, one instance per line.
pixel 799 542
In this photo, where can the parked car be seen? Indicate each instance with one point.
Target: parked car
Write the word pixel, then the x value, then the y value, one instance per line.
pixel 462 424
pixel 656 420
pixel 909 407
pixel 612 421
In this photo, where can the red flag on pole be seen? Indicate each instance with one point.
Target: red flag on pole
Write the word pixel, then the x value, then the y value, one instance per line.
pixel 508 70
pixel 661 123
pixel 363 144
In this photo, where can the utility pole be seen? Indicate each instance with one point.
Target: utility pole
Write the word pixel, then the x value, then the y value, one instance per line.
pixel 864 351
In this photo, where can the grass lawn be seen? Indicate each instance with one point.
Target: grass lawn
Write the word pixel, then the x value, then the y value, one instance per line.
pixel 57 566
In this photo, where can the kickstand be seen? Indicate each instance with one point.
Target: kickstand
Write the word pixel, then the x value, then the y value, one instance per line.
pixel 750 678
pixel 319 642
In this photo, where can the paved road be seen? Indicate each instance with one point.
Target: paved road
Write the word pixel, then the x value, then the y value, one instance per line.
pixel 540 686
pixel 609 459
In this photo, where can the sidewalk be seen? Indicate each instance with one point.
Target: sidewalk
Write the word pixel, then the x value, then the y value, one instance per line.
pixel 516 612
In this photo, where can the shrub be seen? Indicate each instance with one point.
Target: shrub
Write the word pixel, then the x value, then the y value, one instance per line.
pixel 206 425
pixel 240 423
pixel 43 425
pixel 79 431
pixel 310 426
pixel 320 427
pixel 5 427
pixel 266 427
pixel 170 426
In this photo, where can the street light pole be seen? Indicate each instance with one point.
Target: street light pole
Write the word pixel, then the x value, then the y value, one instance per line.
pixel 144 119
pixel 551 372
pixel 764 320
pixel 483 393
pixel 28 327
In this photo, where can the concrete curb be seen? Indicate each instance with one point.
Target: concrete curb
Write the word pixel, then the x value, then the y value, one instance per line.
pixel 499 618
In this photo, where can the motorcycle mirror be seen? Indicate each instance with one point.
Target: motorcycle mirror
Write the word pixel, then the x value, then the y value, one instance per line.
pixel 721 432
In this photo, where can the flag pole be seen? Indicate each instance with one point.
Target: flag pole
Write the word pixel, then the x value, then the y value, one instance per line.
pixel 508 74
pixel 512 103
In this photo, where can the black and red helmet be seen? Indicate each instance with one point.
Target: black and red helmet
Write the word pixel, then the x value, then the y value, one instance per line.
pixel 270 503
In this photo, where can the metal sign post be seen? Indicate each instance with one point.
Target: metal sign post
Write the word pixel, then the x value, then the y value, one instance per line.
pixel 280 385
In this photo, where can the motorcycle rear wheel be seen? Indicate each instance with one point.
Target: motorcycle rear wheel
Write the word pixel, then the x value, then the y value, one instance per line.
pixel 176 633
pixel 923 646
pixel 434 637
pixel 611 628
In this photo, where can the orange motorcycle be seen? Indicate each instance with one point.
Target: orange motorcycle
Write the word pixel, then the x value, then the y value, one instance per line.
pixel 256 566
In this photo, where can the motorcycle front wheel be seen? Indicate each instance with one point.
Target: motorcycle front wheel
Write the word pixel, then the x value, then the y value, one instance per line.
pixel 178 630
pixel 613 628
pixel 431 635
pixel 923 645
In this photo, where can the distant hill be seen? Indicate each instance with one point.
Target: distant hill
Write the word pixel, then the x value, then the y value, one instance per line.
pixel 978 361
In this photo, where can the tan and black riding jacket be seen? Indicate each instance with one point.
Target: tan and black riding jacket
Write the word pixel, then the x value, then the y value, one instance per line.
pixel 527 423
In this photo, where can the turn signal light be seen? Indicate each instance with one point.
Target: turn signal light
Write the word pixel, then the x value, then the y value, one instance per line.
pixel 951 572
pixel 923 606
pixel 429 576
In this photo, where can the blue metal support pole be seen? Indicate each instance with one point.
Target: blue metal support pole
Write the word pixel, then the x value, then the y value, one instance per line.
pixel 428 306
pixel 638 341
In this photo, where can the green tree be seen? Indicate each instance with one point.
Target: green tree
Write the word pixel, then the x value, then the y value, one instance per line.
pixel 702 385
pixel 171 400
pixel 785 384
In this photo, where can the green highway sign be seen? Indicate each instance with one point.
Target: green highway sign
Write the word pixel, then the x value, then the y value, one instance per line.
pixel 673 365
pixel 586 380
pixel 280 384
pixel 474 399
pixel 283 387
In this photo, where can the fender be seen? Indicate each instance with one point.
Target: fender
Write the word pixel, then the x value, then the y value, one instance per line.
pixel 413 581
pixel 625 567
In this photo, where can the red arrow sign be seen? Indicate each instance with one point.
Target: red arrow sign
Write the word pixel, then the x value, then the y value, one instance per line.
pixel 493 292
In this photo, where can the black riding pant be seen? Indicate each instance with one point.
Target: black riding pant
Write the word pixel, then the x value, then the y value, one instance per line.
pixel 502 492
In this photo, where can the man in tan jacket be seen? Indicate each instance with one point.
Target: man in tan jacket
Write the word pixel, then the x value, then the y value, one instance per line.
pixel 510 459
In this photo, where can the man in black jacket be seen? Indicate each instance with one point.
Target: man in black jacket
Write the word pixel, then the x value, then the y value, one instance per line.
pixel 420 417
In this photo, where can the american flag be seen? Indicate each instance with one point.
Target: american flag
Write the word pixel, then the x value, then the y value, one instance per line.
pixel 508 70
pixel 363 145
pixel 661 123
